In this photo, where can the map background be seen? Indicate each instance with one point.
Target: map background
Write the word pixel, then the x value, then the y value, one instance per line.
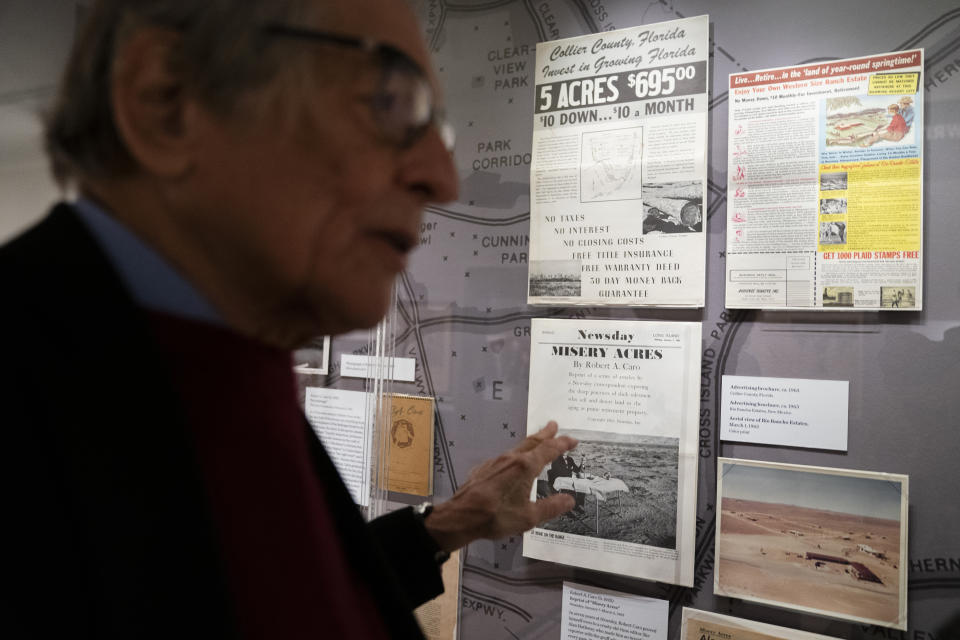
pixel 473 298
pixel 461 309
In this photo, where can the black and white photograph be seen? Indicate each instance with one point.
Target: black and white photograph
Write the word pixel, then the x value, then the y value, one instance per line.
pixel 625 486
pixel 898 297
pixel 833 181
pixel 833 233
pixel 673 207
pixel 838 296
pixel 551 278
pixel 832 206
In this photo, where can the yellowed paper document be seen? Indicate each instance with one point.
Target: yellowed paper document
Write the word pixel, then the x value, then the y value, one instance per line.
pixel 706 625
pixel 411 445
pixel 438 618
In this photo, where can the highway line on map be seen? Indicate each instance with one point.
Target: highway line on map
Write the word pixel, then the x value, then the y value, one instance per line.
pixel 428 380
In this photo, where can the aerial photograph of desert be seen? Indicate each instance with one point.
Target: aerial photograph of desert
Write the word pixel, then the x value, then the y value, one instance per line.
pixel 781 547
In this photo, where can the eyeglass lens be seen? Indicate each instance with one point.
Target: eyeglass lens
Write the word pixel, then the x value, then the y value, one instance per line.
pixel 405 106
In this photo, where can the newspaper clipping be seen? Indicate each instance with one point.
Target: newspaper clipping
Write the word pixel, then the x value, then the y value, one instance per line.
pixel 618 171
pixel 825 185
pixel 627 390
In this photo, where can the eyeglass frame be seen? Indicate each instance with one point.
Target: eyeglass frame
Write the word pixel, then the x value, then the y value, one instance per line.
pixel 389 57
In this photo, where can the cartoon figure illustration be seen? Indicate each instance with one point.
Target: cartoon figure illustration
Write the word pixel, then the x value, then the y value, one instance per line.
pixel 906 110
pixel 894 131
pixel 863 121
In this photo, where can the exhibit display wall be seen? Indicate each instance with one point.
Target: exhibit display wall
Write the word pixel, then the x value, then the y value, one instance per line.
pixel 462 311
pixel 467 324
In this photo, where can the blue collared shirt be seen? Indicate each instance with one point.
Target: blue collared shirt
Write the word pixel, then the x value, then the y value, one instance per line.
pixel 907 113
pixel 152 281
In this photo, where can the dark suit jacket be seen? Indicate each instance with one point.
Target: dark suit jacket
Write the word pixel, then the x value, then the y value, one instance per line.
pixel 106 532
pixel 562 467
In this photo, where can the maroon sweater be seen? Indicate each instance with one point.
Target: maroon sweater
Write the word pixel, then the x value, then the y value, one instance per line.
pixel 285 565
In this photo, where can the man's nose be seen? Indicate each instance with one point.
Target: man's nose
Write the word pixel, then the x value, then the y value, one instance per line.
pixel 429 168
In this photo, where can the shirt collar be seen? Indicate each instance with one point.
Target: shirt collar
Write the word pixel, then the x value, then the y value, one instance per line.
pixel 151 280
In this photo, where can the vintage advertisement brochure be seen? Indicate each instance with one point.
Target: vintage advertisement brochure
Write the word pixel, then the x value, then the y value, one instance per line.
pixel 825 185
pixel 618 171
pixel 411 444
pixel 706 625
pixel 627 390
pixel 820 540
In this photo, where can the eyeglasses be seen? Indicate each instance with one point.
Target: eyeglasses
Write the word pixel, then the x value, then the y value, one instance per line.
pixel 404 107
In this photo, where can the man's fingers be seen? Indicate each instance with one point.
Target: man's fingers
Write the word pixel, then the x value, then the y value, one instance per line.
pixel 534 439
pixel 556 505
pixel 547 451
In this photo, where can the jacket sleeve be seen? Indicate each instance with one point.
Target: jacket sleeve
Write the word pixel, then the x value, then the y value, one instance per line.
pixel 411 552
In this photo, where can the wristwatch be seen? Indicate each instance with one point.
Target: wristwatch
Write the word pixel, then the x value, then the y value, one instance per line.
pixel 421 511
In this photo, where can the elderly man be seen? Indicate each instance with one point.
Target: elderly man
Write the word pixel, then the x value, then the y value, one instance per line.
pixel 250 174
pixel 565 467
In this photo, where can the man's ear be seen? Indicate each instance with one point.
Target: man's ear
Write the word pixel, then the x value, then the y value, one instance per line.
pixel 153 112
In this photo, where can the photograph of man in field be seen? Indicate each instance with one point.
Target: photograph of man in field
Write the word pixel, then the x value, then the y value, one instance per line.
pixel 827 541
pixel 625 486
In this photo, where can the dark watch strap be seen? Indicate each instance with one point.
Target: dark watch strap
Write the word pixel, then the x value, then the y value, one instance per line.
pixel 423 510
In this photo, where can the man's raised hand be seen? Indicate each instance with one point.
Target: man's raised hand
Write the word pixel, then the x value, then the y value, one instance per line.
pixel 495 500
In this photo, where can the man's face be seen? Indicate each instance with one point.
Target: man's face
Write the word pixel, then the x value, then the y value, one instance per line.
pixel 313 216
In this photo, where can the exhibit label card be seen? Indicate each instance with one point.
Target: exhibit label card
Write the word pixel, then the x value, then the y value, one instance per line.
pixel 399 369
pixel 618 171
pixel 791 412
pixel 827 541
pixel 628 391
pixel 825 185
pixel 340 420
pixel 411 444
pixel 706 625
pixel 591 613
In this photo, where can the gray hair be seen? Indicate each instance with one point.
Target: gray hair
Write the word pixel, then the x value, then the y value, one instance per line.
pixel 218 53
